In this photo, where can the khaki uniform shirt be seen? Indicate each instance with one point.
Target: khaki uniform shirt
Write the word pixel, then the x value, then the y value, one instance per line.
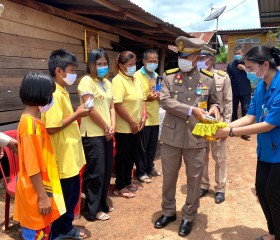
pixel 177 99
pixel 224 94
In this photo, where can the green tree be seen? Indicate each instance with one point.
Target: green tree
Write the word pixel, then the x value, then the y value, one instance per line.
pixel 221 57
pixel 274 36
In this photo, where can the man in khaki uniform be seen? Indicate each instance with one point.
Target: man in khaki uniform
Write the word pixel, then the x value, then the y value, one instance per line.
pixel 218 148
pixel 186 96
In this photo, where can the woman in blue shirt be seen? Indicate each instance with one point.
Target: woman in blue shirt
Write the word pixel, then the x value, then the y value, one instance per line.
pixel 263 119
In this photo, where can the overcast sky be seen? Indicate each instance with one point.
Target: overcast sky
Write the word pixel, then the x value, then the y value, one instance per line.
pixel 185 13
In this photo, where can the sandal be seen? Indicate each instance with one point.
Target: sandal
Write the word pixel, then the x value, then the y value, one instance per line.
pixel 144 179
pixel 102 216
pixel 133 187
pixel 124 193
pixel 74 233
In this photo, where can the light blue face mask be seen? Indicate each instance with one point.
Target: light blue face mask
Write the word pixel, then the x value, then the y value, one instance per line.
pixel 151 66
pixel 237 57
pixel 102 71
pixel 130 71
pixel 254 79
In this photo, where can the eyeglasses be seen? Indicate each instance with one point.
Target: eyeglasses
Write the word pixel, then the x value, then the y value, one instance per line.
pixel 252 69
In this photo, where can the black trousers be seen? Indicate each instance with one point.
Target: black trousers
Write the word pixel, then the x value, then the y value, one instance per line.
pixel 268 192
pixel 97 175
pixel 71 192
pixel 147 150
pixel 245 103
pixel 126 152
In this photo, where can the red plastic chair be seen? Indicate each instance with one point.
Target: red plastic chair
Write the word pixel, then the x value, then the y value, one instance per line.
pixel 10 183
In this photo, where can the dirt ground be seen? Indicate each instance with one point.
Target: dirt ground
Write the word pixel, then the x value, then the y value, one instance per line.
pixel 239 217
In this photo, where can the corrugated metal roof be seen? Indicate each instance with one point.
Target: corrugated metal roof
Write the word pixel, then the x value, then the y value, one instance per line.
pixel 263 29
pixel 122 14
pixel 269 12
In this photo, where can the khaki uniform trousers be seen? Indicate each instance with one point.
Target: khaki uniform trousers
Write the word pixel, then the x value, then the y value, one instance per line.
pixel 218 150
pixel 194 159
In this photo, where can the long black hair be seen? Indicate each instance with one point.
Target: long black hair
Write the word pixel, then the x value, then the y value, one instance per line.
pixel 260 54
pixel 92 58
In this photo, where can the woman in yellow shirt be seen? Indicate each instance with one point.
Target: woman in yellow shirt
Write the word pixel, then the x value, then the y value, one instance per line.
pixel 97 131
pixel 130 120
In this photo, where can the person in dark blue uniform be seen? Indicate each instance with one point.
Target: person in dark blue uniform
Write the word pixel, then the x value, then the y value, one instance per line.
pixel 240 84
pixel 263 119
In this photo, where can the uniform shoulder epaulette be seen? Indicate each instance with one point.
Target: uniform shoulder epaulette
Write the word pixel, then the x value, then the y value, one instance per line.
pixel 221 73
pixel 171 71
pixel 207 73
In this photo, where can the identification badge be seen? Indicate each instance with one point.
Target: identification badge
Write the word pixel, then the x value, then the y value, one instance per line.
pixel 175 95
pixel 202 105
pixel 198 91
pixel 152 84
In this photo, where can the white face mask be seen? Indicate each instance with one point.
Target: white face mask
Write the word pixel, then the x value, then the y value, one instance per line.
pixel 46 107
pixel 185 65
pixel 70 78
pixel 202 64
pixel 130 71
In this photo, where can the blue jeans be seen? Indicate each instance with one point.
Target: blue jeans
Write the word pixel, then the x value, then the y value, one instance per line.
pixel 245 103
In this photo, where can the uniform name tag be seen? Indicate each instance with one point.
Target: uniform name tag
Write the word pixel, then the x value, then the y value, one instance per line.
pixel 202 105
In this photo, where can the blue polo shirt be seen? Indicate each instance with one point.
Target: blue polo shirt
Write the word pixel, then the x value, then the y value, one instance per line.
pixel 265 105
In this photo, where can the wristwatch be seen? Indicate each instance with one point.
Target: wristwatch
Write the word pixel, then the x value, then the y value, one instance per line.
pixel 231 134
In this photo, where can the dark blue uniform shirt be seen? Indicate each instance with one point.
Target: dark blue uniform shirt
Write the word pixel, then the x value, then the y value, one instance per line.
pixel 265 106
pixel 240 84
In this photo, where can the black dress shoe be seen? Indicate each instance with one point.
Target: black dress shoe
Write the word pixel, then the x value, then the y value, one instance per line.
pixel 185 228
pixel 219 197
pixel 203 192
pixel 164 220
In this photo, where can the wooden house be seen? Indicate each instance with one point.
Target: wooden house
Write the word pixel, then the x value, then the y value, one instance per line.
pixel 30 30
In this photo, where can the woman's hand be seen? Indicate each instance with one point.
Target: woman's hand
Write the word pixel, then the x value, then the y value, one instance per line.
pixel 222 133
pixel 142 122
pixel 109 133
pixel 134 127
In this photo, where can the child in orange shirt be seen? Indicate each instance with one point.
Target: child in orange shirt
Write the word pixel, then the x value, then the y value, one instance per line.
pixel 38 199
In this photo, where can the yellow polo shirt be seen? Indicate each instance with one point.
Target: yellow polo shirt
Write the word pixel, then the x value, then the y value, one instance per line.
pixel 131 95
pixel 152 106
pixel 102 95
pixel 67 143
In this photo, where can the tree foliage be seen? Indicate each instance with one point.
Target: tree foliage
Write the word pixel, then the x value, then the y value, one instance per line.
pixel 274 36
pixel 221 57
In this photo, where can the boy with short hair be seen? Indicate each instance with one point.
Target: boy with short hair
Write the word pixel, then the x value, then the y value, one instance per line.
pixel 61 124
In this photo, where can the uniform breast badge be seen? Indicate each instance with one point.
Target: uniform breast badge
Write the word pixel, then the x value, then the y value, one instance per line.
pixel 178 79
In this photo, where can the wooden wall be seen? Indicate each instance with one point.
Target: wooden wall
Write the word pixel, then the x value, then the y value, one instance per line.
pixel 27 37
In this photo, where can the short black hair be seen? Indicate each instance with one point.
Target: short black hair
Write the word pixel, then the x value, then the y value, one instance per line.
pixel 238 47
pixel 62 59
pixel 260 54
pixel 149 51
pixel 36 89
pixel 93 56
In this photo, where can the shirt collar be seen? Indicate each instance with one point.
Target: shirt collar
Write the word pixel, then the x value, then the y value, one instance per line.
pixel 124 76
pixel 62 89
pixel 143 71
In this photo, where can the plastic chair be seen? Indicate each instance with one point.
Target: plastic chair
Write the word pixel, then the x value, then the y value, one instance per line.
pixel 10 183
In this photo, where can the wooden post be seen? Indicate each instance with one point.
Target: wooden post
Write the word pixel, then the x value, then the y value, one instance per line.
pixel 161 61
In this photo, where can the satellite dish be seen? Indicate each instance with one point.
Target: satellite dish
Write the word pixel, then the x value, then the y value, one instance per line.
pixel 216 14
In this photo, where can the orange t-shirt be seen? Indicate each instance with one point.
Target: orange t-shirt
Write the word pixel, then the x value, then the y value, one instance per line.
pixel 36 155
